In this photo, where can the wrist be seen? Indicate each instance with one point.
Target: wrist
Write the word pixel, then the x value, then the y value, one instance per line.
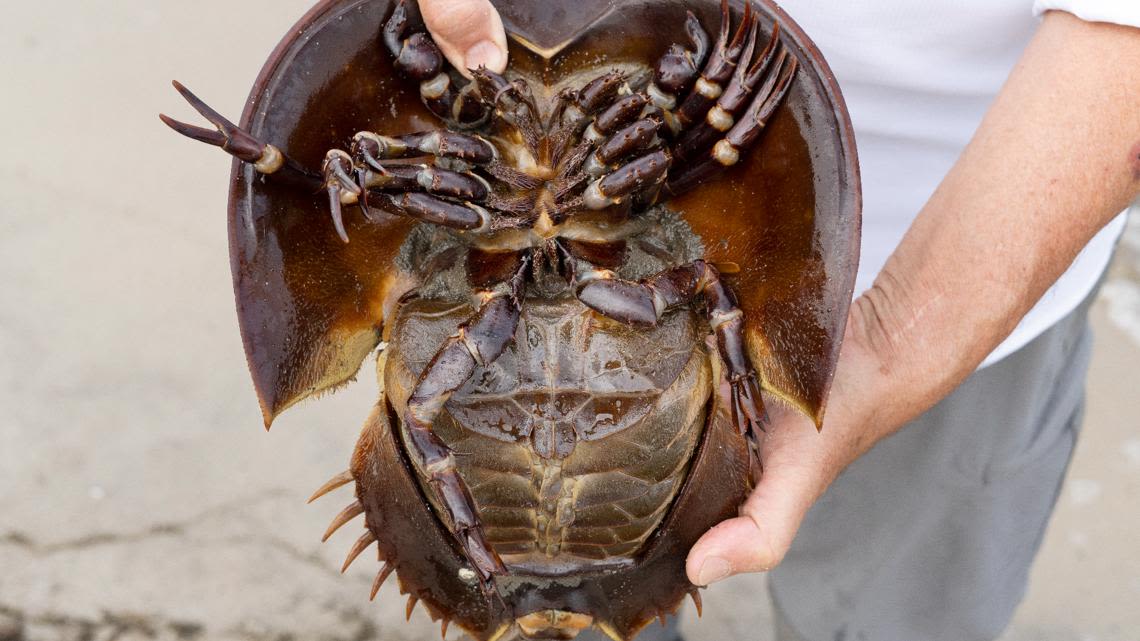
pixel 927 322
pixel 877 388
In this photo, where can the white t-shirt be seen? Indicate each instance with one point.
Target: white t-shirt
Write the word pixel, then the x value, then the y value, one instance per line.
pixel 918 75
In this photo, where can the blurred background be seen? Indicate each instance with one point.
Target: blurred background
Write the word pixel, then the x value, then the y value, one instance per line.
pixel 139 496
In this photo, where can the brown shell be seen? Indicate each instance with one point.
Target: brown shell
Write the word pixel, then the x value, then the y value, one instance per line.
pixel 311 308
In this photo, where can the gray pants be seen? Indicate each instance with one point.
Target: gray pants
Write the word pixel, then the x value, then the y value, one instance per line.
pixel 931 534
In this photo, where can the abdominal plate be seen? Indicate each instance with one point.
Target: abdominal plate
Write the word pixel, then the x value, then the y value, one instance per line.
pixel 575 442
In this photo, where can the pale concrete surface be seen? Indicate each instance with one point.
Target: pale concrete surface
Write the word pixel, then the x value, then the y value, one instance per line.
pixel 139 497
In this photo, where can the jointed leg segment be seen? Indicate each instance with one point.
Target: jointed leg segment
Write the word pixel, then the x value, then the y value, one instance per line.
pixel 723 115
pixel 373 148
pixel 718 70
pixel 265 158
pixel 419 57
pixel 478 342
pixel 741 135
pixel 679 67
pixel 444 192
pixel 644 303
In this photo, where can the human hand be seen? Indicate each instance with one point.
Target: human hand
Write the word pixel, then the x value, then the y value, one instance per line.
pixel 469 33
pixel 799 464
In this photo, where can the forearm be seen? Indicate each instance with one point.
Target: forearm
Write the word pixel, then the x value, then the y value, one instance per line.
pixel 1057 156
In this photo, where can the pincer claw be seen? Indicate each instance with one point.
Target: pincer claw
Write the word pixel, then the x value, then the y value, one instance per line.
pixel 231 138
pixel 341 188
pixel 748 409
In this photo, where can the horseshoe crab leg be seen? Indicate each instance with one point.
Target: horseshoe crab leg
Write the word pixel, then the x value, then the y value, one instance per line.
pixel 576 107
pixel 432 193
pixel 429 209
pixel 615 134
pixel 424 189
pixel 513 104
pixel 341 187
pixel 479 341
pixel 742 136
pixel 642 173
pixel 678 69
pixel 418 57
pixel 644 303
pixel 638 136
pixel 622 112
pixel 574 111
pixel 461 185
pixel 719 69
pixel 265 158
pixel 722 116
pixel 372 149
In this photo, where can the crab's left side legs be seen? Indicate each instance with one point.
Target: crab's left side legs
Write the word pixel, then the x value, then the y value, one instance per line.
pixel 478 341
pixel 644 303
pixel 265 158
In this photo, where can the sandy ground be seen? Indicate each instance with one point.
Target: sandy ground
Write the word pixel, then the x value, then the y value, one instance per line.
pixel 139 498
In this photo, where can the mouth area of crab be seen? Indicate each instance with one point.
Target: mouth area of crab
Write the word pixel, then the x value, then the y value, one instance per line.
pixel 528 164
pixel 543 232
pixel 587 225
pixel 545 226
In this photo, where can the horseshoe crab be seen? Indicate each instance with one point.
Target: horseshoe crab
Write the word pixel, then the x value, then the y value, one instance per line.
pixel 581 274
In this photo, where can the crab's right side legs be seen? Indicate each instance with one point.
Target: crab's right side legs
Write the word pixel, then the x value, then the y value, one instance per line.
pixel 700 73
pixel 265 158
pixel 478 342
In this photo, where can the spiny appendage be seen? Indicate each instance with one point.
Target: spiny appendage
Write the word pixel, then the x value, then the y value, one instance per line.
pixel 333 484
pixel 349 513
pixel 411 607
pixel 381 576
pixel 659 612
pixel 366 540
pixel 695 595
pixel 610 631
pixel 414 600
pixel 352 511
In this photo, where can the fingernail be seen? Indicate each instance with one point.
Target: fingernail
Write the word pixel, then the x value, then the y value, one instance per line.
pixel 484 54
pixel 712 570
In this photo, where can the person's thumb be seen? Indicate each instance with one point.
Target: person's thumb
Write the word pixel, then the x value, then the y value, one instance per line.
pixel 469 32
pixel 758 539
